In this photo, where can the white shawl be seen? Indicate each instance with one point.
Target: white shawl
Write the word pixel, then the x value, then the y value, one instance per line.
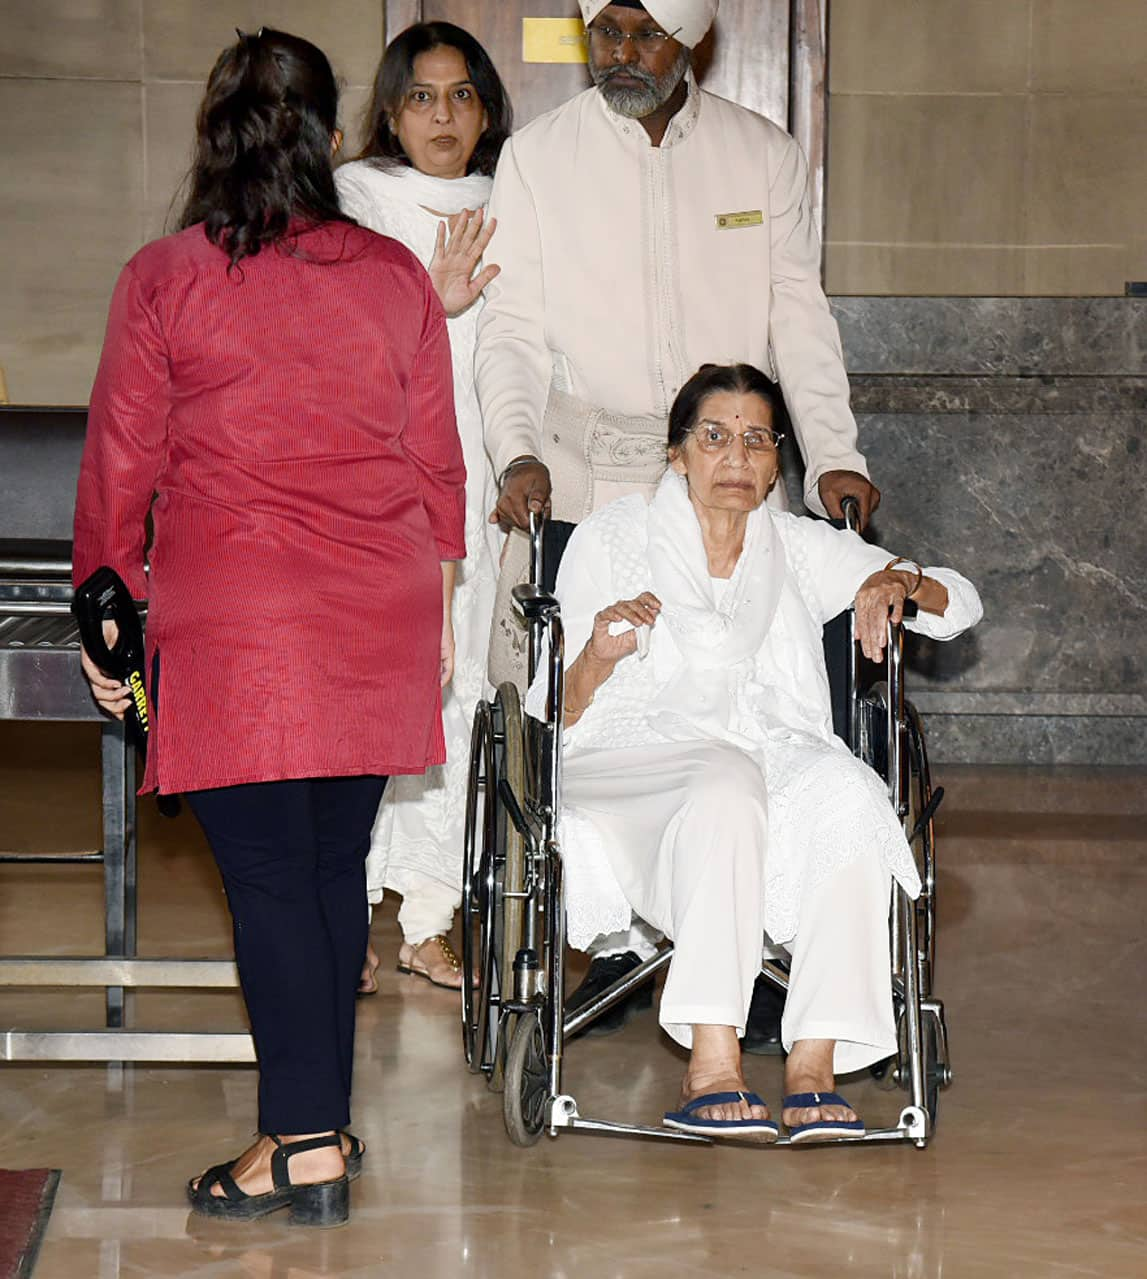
pixel 718 643
pixel 436 195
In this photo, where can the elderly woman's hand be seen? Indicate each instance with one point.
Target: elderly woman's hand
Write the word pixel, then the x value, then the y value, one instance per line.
pixel 879 599
pixel 595 663
pixel 642 611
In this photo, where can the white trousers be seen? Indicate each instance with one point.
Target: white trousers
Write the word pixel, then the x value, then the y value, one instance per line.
pixel 685 828
pixel 638 937
pixel 427 907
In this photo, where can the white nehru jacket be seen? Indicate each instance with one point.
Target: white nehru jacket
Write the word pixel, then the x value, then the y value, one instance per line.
pixel 624 270
pixel 685 20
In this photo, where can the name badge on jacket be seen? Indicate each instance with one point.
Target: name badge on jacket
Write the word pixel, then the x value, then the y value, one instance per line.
pixel 734 221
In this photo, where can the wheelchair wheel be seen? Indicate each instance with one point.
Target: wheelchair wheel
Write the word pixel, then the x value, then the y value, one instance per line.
pixel 937 1072
pixel 480 896
pixel 895 1071
pixel 527 1082
pixel 494 861
pixel 923 847
pixel 505 925
pixel 509 736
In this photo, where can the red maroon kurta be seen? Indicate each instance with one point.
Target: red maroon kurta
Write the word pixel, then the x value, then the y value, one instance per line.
pixel 295 419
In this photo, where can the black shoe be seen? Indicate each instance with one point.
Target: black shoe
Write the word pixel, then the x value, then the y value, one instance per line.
pixel 323 1203
pixel 763 1027
pixel 602 974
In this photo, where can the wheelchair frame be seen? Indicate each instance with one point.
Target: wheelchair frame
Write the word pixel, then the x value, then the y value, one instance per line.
pixel 514 1027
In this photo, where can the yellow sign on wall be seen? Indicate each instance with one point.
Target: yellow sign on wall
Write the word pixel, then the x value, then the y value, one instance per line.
pixel 553 40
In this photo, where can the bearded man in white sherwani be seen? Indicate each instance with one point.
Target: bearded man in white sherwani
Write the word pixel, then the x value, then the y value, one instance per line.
pixel 645 228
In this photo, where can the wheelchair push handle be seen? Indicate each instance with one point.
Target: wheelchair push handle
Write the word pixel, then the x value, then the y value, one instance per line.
pixel 537 534
pixel 101 598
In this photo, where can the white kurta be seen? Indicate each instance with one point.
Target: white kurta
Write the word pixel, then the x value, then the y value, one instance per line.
pixel 718 840
pixel 624 270
pixel 417 838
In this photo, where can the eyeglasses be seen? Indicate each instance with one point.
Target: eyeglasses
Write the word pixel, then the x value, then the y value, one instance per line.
pixel 611 38
pixel 712 437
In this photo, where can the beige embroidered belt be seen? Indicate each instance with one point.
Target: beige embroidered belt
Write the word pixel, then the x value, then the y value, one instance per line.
pixel 595 456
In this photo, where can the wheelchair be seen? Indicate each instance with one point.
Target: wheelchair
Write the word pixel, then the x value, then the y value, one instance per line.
pixel 513 912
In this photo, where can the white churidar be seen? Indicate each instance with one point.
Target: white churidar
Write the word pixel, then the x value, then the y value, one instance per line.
pixel 685 20
pixel 647 828
pixel 416 847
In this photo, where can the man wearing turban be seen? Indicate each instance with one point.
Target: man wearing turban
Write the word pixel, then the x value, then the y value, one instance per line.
pixel 646 228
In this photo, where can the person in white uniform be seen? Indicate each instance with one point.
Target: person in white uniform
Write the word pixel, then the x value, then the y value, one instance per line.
pixel 438 118
pixel 703 786
pixel 645 227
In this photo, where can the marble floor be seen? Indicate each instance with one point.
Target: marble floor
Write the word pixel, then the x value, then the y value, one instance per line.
pixel 1039 1166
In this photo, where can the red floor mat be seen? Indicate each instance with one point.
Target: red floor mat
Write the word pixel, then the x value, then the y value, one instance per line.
pixel 25 1205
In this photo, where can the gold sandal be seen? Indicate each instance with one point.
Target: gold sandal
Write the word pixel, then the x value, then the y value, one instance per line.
pixel 408 962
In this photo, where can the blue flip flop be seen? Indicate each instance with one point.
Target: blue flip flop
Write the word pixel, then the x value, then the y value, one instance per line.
pixel 686 1119
pixel 823 1129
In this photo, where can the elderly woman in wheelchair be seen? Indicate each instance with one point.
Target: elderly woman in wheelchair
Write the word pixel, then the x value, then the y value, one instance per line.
pixel 703 788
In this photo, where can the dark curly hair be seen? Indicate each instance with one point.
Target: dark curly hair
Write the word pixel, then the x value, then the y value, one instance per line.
pixel 710 378
pixel 396 74
pixel 263 143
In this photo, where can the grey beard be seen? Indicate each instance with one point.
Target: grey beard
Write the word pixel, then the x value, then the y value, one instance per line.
pixel 636 103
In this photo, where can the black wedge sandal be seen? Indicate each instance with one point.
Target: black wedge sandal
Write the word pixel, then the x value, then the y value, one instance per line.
pixel 354 1155
pixel 321 1203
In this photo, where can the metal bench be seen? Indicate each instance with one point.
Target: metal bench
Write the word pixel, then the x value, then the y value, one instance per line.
pixel 41 680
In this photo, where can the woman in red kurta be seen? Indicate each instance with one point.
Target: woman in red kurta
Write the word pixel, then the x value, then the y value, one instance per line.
pixel 279 379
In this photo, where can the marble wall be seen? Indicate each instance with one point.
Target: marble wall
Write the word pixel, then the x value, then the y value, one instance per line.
pixel 1009 437
pixel 97 112
pixel 1008 136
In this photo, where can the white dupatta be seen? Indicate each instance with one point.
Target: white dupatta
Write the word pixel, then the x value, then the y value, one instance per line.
pixel 717 643
pixel 445 196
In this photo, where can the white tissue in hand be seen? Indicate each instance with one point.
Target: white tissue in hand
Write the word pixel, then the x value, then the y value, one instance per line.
pixel 619 628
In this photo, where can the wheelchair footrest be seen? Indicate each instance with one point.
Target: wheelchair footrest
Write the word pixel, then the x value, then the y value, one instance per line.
pixel 562 1112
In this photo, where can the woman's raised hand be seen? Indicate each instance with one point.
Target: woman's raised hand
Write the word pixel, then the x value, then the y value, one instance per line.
pixel 880 600
pixel 642 611
pixel 456 258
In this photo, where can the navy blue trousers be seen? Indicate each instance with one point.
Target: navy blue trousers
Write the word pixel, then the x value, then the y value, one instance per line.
pixel 293 859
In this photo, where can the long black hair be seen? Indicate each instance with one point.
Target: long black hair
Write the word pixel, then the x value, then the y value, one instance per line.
pixel 263 143
pixel 743 379
pixel 395 75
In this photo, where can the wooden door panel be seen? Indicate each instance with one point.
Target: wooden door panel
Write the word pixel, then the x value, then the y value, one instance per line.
pixel 533 87
pixel 745 57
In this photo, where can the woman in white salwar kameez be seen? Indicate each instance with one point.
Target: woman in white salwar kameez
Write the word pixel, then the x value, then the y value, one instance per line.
pixel 438 118
pixel 703 788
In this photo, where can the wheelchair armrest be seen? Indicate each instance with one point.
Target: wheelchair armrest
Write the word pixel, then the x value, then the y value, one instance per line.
pixel 533 602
